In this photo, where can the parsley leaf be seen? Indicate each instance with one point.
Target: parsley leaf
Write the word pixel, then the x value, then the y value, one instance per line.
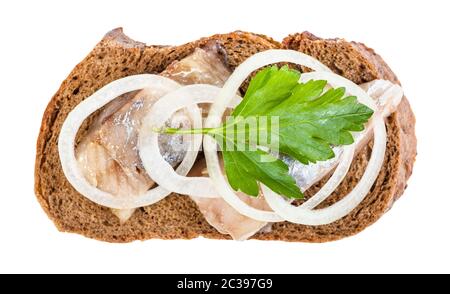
pixel 244 169
pixel 309 122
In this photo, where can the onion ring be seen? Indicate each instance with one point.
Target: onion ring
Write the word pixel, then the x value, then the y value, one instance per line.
pixel 66 141
pixel 217 109
pixel 306 216
pixel 157 168
pixel 231 87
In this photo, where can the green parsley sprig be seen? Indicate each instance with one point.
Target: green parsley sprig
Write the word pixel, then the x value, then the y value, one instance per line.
pixel 310 121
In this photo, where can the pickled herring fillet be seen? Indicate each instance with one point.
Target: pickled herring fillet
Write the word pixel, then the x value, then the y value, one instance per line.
pixel 227 220
pixel 108 154
pixel 204 66
pixel 224 218
pixel 386 95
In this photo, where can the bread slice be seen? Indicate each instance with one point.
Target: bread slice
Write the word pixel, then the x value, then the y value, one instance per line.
pixel 177 216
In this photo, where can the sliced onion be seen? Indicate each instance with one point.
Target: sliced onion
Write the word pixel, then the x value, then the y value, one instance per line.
pixel 306 216
pixel 228 91
pixel 347 157
pixel 333 182
pixel 157 168
pixel 66 144
pixel 388 96
pixel 231 87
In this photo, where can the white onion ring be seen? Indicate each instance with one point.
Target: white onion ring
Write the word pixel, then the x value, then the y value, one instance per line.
pixel 333 182
pixel 301 215
pixel 157 168
pixel 231 87
pixel 347 156
pixel 66 142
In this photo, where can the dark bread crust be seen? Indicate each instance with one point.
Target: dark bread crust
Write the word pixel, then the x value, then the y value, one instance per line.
pixel 176 216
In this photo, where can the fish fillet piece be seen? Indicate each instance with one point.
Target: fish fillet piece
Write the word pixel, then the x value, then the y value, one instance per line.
pixel 222 216
pixel 386 95
pixel 108 154
pixel 204 66
pixel 228 221
pixel 109 157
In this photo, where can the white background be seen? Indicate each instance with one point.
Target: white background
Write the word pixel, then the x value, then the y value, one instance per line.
pixel 41 41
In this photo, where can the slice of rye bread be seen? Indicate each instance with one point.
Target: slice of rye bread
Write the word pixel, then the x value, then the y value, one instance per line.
pixel 176 216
